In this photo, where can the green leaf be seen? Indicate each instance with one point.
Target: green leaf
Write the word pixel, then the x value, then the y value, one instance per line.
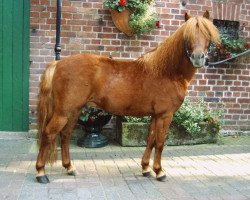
pixel 120 9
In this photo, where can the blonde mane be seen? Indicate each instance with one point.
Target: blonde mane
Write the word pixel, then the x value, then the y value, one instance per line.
pixel 166 57
pixel 206 27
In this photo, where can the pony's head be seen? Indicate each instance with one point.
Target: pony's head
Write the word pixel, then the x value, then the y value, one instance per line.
pixel 198 34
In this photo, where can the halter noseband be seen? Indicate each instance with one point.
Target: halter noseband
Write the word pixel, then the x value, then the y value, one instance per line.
pixel 189 54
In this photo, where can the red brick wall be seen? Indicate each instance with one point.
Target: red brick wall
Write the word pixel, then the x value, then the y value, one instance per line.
pixel 87 27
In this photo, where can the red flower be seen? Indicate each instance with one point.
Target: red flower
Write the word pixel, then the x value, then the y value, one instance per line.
pixel 222 51
pixel 247 46
pixel 228 56
pixel 158 24
pixel 123 2
pixel 92 118
pixel 219 46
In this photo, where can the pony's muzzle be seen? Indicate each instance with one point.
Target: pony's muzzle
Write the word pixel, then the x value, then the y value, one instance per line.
pixel 198 59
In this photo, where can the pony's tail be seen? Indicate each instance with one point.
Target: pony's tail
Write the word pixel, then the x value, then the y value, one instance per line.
pixel 45 109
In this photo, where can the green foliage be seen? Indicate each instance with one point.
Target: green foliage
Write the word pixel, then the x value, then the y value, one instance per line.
pixel 233 45
pixel 192 116
pixel 121 5
pixel 91 113
pixel 114 4
pixel 145 119
pixel 229 47
pixel 143 18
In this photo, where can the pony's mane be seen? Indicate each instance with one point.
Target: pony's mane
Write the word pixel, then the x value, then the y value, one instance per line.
pixel 206 27
pixel 165 57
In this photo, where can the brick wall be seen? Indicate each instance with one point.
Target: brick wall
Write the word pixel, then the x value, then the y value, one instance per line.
pixel 87 27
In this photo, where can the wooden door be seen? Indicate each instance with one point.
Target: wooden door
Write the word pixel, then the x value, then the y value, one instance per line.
pixel 14 65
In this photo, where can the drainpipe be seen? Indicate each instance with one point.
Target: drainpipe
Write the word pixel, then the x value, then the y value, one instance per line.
pixel 58 30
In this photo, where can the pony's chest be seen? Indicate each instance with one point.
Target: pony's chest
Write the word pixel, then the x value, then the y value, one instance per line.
pixel 169 96
pixel 165 88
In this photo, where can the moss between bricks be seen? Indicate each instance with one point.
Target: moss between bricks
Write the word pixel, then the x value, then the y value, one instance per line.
pixel 135 134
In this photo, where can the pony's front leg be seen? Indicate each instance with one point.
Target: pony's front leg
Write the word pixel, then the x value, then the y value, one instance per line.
pixel 161 129
pixel 150 144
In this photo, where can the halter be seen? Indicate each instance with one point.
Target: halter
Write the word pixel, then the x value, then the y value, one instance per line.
pixel 189 54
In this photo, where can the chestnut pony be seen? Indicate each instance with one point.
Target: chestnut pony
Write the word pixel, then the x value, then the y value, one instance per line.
pixel 153 85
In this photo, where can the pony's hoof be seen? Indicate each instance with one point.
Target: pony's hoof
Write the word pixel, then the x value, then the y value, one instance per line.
pixel 161 178
pixel 146 174
pixel 72 173
pixel 42 179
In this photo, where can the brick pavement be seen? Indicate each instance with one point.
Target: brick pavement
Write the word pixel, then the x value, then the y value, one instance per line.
pixel 113 173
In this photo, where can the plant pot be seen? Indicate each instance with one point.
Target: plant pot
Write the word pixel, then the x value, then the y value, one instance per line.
pixel 93 128
pixel 132 134
pixel 178 136
pixel 135 134
pixel 121 21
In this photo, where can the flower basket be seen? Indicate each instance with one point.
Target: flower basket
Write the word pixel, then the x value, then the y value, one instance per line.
pixel 92 120
pixel 133 17
pixel 228 48
pixel 121 21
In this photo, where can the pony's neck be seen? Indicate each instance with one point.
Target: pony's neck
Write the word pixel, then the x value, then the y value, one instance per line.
pixel 170 59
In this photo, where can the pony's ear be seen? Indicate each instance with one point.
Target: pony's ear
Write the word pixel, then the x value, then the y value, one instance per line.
pixel 206 15
pixel 187 16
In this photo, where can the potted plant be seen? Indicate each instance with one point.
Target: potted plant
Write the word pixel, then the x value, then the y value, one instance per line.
pixel 228 48
pixel 192 124
pixel 92 120
pixel 133 16
pixel 132 131
pixel 195 123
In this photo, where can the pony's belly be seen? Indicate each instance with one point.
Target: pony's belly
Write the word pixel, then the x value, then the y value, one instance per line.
pixel 130 109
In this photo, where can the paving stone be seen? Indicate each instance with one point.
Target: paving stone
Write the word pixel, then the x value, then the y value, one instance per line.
pixel 114 173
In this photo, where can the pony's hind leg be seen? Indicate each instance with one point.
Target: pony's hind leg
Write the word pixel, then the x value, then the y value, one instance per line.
pixel 47 151
pixel 150 144
pixel 65 140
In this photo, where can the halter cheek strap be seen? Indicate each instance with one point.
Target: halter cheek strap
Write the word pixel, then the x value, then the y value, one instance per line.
pixel 188 53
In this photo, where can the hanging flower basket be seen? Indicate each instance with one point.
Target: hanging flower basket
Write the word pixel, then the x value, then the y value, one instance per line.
pixel 121 21
pixel 133 16
pixel 229 47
